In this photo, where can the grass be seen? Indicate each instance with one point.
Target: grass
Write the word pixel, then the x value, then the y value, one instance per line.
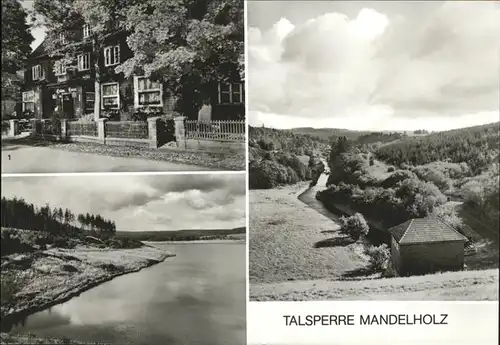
pixel 284 236
pixel 464 285
pixel 218 161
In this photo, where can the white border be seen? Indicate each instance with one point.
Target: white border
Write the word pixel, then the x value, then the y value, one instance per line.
pixel 247 193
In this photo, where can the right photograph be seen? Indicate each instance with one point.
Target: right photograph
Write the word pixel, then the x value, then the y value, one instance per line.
pixel 373 150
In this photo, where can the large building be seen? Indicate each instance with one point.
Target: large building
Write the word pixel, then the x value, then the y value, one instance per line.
pixel 426 245
pixel 56 85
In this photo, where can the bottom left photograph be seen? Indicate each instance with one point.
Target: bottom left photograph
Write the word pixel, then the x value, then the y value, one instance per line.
pixel 123 259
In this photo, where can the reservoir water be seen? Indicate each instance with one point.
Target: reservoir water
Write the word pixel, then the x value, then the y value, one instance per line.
pixel 197 297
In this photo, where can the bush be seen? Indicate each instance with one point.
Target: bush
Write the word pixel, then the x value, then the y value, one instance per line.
pixel 10 286
pixel 379 256
pixel 266 174
pixel 391 169
pixel 354 226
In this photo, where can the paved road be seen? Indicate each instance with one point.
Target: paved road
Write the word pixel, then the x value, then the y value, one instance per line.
pixel 29 159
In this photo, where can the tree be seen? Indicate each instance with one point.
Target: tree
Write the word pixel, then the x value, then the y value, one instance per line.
pixel 354 226
pixel 189 45
pixel 16 40
pixel 63 16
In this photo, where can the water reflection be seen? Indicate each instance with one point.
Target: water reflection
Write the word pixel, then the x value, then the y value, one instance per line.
pixel 197 297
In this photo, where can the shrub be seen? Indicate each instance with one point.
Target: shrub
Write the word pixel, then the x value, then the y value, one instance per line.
pixel 10 286
pixel 266 174
pixel 391 168
pixel 354 226
pixel 379 256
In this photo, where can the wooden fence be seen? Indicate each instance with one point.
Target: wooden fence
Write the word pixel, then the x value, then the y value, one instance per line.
pixel 215 130
pixel 127 129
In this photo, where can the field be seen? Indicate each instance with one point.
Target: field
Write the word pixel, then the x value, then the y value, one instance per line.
pixel 286 237
pixel 462 286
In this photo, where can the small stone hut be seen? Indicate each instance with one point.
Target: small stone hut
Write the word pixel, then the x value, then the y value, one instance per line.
pixel 426 245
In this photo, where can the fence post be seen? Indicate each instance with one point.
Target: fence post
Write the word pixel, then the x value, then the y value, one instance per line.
pixel 180 131
pixel 153 132
pixel 13 128
pixel 64 126
pixel 101 130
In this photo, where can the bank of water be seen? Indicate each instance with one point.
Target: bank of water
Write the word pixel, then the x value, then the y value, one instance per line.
pixel 196 297
pixel 376 235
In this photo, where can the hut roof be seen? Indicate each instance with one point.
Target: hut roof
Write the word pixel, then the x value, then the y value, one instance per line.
pixel 425 230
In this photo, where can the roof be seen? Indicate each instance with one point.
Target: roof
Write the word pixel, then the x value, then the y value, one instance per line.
pixel 425 230
pixel 40 50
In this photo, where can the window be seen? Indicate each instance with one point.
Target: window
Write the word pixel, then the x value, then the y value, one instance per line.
pixel 84 62
pixel 86 31
pixel 110 97
pixel 29 101
pixel 89 102
pixel 230 93
pixel 37 72
pixel 147 92
pixel 60 68
pixel 62 37
pixel 111 55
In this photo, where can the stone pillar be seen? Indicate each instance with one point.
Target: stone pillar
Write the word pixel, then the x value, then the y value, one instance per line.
pixel 13 128
pixel 180 131
pixel 153 132
pixel 101 130
pixel 34 127
pixel 64 126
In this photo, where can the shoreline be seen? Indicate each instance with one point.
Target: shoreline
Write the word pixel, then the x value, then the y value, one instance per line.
pixel 152 243
pixel 73 290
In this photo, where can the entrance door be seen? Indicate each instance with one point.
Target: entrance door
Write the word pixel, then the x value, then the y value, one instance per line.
pixel 68 106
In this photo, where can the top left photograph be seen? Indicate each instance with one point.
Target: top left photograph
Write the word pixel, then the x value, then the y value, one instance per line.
pixel 122 86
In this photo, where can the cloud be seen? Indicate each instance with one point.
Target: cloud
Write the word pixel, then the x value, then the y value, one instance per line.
pixel 162 202
pixel 332 68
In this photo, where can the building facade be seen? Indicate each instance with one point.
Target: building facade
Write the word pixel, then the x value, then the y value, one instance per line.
pixel 52 85
pixel 426 245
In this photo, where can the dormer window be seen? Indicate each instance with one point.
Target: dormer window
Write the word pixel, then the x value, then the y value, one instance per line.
pixel 86 31
pixel 60 68
pixel 111 55
pixel 37 72
pixel 62 37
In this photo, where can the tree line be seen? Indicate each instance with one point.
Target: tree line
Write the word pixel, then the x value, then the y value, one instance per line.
pixel 478 146
pixel 17 213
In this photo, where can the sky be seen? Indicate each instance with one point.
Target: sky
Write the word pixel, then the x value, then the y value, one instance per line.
pixel 37 32
pixel 142 202
pixel 373 65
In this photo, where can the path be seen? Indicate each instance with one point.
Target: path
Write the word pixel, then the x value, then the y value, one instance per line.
pixel 29 159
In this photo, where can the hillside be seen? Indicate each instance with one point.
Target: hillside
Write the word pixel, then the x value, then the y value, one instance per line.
pixel 326 134
pixel 478 146
pixel 281 157
pixel 451 286
pixel 182 235
pixel 271 139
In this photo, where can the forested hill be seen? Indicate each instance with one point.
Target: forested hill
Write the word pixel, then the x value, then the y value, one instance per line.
pixel 478 146
pixel 271 139
pixel 329 134
pixel 183 235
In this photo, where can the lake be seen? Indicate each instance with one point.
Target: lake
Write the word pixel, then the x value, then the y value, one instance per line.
pixel 197 297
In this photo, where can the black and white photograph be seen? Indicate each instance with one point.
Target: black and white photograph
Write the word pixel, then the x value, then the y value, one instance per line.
pixel 122 85
pixel 153 260
pixel 373 150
